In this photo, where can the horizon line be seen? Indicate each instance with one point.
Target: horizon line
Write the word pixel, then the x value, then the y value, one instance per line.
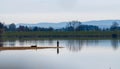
pixel 60 21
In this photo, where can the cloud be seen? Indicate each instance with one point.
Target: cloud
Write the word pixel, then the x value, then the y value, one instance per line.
pixel 67 4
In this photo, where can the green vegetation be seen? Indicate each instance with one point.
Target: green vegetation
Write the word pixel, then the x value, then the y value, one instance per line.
pixel 74 29
pixel 43 34
pixel 60 33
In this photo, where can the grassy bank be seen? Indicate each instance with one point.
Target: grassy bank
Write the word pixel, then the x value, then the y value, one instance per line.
pixel 80 34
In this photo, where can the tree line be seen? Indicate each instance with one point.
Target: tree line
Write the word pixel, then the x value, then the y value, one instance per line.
pixel 71 26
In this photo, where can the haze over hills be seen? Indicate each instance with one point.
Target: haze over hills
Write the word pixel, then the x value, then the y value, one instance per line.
pixel 100 23
pixel 46 24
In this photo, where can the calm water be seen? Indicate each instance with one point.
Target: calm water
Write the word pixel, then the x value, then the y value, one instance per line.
pixel 77 54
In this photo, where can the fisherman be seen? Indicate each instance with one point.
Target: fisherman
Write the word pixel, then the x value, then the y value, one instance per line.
pixel 57 47
pixel 57 43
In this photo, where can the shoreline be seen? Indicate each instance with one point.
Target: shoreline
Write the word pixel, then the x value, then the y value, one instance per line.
pixel 61 35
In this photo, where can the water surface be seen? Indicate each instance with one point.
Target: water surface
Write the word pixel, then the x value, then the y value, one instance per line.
pixel 76 54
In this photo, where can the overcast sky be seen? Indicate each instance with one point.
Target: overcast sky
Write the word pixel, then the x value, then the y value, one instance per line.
pixel 34 11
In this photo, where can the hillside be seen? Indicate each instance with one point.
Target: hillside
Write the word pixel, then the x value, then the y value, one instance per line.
pixel 100 23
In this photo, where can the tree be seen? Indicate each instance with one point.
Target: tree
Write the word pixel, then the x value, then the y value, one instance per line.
pixel 50 29
pixel 1 27
pixel 21 28
pixel 73 25
pixel 6 28
pixel 87 28
pixel 114 27
pixel 35 29
pixel 12 27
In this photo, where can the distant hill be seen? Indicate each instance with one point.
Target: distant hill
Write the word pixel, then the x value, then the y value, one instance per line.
pixel 100 23
pixel 46 25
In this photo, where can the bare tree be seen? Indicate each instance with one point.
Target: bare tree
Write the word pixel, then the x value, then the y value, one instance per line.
pixel 114 26
pixel 74 24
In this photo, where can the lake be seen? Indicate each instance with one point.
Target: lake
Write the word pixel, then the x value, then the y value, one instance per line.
pixel 76 54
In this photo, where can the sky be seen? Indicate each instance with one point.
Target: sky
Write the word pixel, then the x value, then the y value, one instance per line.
pixel 35 11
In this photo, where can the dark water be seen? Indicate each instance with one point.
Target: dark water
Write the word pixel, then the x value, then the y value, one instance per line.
pixel 77 54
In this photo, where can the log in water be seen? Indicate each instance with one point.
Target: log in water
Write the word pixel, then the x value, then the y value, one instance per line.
pixel 25 48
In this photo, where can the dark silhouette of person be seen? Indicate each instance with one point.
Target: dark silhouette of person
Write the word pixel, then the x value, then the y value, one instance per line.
pixel 57 47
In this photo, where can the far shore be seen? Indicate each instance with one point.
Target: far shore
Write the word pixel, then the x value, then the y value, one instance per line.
pixel 60 35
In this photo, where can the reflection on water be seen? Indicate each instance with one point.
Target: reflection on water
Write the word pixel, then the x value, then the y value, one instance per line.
pixel 71 45
pixel 57 50
pixel 77 54
pixel 115 43
pixel 12 43
pixel 74 45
